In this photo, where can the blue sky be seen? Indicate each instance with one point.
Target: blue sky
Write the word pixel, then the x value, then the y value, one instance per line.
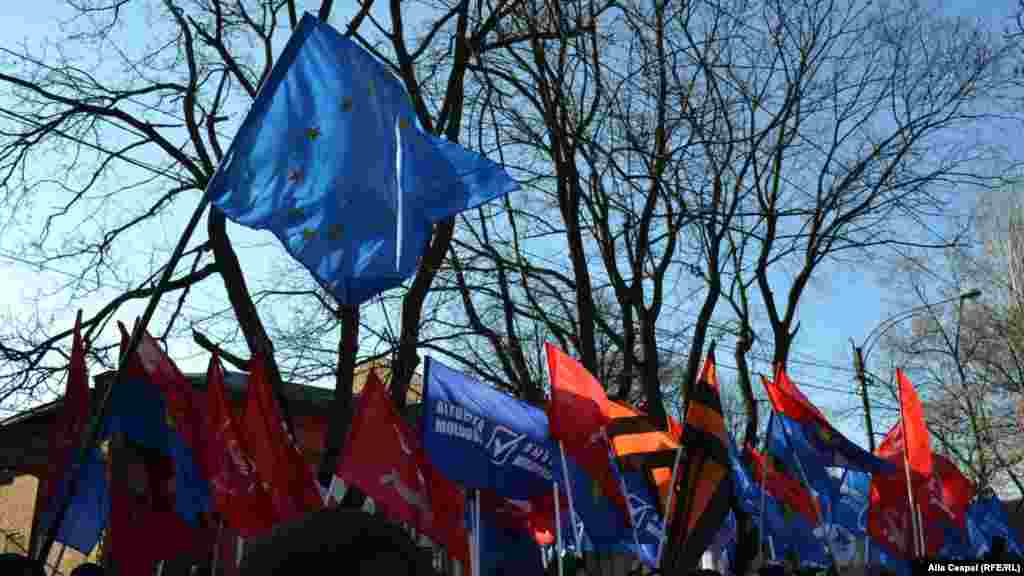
pixel 840 304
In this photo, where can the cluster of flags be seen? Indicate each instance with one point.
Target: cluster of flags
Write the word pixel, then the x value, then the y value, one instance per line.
pixel 904 501
pixel 483 473
pixel 333 160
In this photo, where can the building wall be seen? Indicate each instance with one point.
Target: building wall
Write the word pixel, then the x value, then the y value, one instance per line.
pixel 17 506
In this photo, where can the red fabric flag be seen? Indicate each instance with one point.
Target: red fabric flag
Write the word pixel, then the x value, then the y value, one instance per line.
pixel 789 491
pixel 915 433
pixel 578 413
pixel 238 495
pixel 66 434
pixel 383 457
pixel 535 516
pixel 788 400
pixel 279 463
pixel 153 364
pixel 143 523
pixel 907 446
pixel 949 492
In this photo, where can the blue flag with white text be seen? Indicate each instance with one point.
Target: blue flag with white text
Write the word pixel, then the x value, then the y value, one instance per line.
pixel 482 438
pixel 331 159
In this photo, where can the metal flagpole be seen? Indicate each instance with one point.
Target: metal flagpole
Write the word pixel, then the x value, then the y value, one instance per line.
pixel 558 529
pixel 568 493
pixel 476 534
pixel 764 495
pixel 910 491
pixel 669 499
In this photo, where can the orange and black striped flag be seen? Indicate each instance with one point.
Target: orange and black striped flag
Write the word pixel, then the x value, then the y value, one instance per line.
pixel 703 487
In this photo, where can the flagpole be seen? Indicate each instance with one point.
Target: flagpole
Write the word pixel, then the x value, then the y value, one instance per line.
pixel 910 491
pixel 60 557
pixel 558 528
pixel 568 493
pixel 476 533
pixel 622 485
pixel 764 494
pixel 216 546
pixel 671 493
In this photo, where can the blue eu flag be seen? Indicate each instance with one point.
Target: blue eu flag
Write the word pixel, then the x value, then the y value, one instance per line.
pixel 331 159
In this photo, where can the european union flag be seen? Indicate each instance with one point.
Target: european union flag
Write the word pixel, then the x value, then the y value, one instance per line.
pixel 332 160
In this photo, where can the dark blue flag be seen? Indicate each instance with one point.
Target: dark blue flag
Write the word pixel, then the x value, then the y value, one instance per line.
pixel 332 160
pixel 987 519
pixel 87 513
pixel 605 528
pixel 484 439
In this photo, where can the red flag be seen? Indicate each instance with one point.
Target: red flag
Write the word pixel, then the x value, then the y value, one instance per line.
pixel 786 489
pixel 238 495
pixel 143 523
pixel 578 413
pixel 279 463
pixel 535 516
pixel 66 434
pixel 383 457
pixel 153 364
pixel 907 446
pixel 789 401
pixel 915 433
pixel 949 492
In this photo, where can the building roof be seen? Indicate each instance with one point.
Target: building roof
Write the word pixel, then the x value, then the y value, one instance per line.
pixel 24 437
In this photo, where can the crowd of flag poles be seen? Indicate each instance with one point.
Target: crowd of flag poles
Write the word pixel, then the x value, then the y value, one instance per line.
pixel 332 160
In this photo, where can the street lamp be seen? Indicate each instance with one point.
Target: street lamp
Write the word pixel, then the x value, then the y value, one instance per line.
pixel 861 352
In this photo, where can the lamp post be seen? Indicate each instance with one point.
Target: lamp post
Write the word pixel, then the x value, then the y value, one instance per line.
pixel 861 352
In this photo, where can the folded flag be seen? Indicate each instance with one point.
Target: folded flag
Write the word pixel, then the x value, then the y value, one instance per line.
pixel 704 486
pixel 239 497
pixel 384 459
pixel 332 160
pixel 786 532
pixel 485 439
pixel 86 514
pixel 279 464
